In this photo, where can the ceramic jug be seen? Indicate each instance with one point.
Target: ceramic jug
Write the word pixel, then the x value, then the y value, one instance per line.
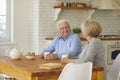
pixel 15 53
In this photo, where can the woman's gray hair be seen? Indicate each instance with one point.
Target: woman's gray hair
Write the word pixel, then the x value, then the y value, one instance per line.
pixel 62 21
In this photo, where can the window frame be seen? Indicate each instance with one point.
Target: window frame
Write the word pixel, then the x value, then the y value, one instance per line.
pixel 9 22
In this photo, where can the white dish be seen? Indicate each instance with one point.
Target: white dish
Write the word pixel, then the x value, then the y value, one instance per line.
pixel 29 57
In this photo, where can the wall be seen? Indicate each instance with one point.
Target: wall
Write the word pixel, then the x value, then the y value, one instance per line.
pixel 47 24
pixel 34 21
pixel 108 19
pixel 21 23
pixel 34 27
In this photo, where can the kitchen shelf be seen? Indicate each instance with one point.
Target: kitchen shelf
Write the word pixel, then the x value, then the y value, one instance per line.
pixel 83 39
pixel 65 7
pixel 58 9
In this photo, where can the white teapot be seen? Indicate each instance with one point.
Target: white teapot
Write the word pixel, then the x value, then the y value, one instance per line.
pixel 14 53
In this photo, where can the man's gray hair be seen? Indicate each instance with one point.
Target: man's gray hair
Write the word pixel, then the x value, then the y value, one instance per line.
pixel 62 21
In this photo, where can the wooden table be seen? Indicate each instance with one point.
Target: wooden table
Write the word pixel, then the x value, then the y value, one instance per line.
pixel 24 69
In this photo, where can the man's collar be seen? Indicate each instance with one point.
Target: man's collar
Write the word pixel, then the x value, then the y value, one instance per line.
pixel 60 37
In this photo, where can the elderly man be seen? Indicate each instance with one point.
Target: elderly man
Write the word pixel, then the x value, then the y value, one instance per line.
pixel 65 43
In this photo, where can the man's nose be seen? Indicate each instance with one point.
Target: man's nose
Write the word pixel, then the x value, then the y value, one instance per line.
pixel 66 28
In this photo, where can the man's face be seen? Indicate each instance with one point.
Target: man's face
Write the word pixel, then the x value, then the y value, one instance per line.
pixel 64 29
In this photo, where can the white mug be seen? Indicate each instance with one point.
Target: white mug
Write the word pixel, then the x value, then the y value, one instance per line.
pixel 45 54
pixel 64 56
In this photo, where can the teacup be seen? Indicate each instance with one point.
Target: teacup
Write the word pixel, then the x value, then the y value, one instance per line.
pixel 64 56
pixel 45 54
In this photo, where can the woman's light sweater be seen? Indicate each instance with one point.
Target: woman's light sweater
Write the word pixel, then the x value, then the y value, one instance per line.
pixel 93 52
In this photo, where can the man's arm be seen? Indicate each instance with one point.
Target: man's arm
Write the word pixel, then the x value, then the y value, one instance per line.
pixel 51 47
pixel 76 47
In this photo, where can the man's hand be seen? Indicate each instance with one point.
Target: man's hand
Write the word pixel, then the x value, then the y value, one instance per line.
pixel 51 56
pixel 42 55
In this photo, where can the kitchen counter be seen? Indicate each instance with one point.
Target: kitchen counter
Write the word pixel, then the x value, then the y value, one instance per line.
pixel 83 39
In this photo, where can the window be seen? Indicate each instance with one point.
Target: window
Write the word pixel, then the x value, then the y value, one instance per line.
pixel 5 21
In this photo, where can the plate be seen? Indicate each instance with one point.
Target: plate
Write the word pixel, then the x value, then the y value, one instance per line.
pixel 30 57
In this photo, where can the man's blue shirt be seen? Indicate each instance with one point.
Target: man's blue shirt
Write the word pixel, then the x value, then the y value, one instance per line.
pixel 71 46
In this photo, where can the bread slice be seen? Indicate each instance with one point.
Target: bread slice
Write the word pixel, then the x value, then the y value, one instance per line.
pixel 50 66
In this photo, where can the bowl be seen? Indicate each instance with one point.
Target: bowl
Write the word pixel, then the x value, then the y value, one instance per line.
pixel 30 57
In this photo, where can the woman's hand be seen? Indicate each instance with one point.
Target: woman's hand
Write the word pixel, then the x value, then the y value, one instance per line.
pixel 66 60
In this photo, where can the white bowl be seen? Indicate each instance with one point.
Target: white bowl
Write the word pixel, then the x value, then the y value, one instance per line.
pixel 30 57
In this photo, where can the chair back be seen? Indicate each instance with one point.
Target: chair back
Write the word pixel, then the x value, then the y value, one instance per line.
pixel 114 71
pixel 76 71
pixel 118 78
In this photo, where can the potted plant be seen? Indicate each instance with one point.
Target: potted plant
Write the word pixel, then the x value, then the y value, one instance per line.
pixel 76 30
